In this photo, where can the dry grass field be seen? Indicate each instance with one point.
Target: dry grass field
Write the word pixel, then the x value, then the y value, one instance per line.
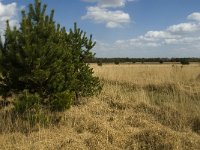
pixel 141 106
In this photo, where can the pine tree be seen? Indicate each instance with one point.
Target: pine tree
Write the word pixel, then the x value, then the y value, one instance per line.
pixel 80 46
pixel 42 58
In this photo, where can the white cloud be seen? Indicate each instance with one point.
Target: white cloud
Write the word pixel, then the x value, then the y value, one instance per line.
pixel 112 19
pixel 136 47
pixel 139 42
pixel 110 3
pixel 7 12
pixel 194 16
pixel 184 27
pixel 101 13
pixel 159 34
pixel 183 41
pixel 170 41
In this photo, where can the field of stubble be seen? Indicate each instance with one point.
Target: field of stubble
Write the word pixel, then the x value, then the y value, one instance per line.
pixel 141 106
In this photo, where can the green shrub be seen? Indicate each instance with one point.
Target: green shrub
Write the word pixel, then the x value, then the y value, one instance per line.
pixel 99 63
pixel 45 65
pixel 116 62
pixel 30 108
pixel 61 101
pixel 27 102
pixel 184 62
pixel 161 61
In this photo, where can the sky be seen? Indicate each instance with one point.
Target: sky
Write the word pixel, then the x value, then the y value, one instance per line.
pixel 125 28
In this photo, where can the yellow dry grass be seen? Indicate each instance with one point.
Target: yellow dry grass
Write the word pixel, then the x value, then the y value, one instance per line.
pixel 154 107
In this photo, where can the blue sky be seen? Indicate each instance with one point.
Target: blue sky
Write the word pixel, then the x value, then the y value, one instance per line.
pixel 126 28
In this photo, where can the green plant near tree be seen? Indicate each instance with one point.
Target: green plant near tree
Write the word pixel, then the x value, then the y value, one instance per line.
pixel 184 61
pixel 116 62
pixel 99 63
pixel 44 66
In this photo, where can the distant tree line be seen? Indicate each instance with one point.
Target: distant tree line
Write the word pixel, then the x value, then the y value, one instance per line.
pixel 142 60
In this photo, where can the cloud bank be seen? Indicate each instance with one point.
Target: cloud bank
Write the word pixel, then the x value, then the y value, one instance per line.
pixel 112 19
pixel 101 13
pixel 179 40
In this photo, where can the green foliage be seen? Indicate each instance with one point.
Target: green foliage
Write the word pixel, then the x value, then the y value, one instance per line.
pixel 61 101
pixel 99 63
pixel 142 60
pixel 161 61
pixel 184 62
pixel 27 102
pixel 116 62
pixel 47 63
pixel 30 108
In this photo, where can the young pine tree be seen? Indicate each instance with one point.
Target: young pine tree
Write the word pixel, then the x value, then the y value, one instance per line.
pixel 42 59
pixel 80 46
